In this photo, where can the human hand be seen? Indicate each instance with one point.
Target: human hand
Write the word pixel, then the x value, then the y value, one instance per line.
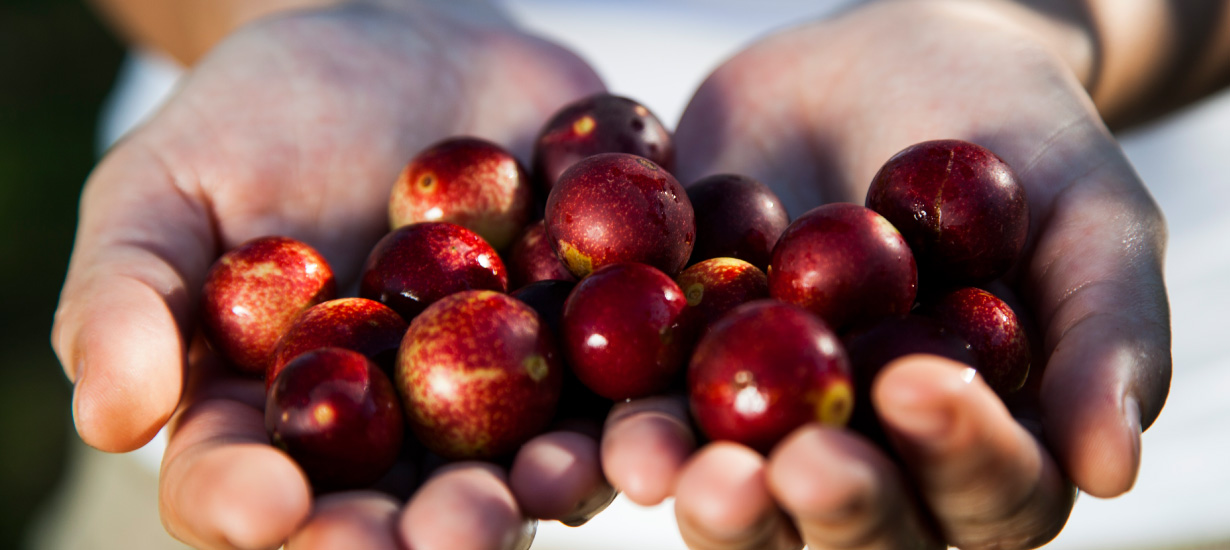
pixel 813 112
pixel 296 126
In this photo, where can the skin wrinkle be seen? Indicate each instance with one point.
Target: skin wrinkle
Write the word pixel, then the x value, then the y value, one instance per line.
pixel 190 285
pixel 1055 139
pixel 768 532
pixel 991 525
pixel 859 504
pixel 175 290
pixel 196 186
pixel 216 415
pixel 298 83
pixel 1048 308
pixel 1151 405
pixel 877 497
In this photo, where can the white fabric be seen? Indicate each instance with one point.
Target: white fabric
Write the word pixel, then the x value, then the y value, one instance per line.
pixel 658 52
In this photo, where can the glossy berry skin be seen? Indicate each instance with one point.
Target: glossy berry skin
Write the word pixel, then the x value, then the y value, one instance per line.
pixel 994 332
pixel 254 292
pixel 532 259
pixel 736 217
pixel 615 208
pixel 336 413
pixel 621 331
pixel 764 370
pixel 468 181
pixel 479 374
pixel 714 287
pixel 575 401
pixel 601 123
pixel 356 324
pixel 846 264
pixel 958 205
pixel 415 265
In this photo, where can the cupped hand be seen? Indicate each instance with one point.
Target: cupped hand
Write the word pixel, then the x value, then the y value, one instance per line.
pixel 813 112
pixel 296 125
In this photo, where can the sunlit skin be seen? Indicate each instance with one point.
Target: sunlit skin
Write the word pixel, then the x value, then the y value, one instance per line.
pixel 254 292
pixel 281 131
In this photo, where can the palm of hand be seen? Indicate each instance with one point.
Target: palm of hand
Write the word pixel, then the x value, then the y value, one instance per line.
pixel 299 128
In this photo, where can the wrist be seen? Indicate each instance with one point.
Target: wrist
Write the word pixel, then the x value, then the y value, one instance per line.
pixel 1064 28
pixel 1136 60
pixel 186 29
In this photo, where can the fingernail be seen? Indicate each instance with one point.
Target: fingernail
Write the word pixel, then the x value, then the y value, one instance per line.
pixel 529 529
pixel 78 360
pixel 78 393
pixel 1131 415
pixel 587 509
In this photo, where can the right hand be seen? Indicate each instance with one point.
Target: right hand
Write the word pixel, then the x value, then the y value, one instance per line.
pixel 814 111
pixel 295 125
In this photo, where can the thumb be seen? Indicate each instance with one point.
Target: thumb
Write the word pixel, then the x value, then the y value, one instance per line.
pixel 142 247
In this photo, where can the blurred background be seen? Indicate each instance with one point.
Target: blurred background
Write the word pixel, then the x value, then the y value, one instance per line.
pixel 57 63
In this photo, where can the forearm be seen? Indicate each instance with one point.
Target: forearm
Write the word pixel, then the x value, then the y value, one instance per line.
pixel 1137 58
pixel 1156 55
pixel 186 29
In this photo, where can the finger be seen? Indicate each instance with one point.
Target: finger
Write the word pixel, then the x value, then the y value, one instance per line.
pixel 465 505
pixel 558 476
pixel 986 480
pixel 223 486
pixel 1096 280
pixel 350 520
pixel 722 501
pixel 645 445
pixel 142 249
pixel 843 493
